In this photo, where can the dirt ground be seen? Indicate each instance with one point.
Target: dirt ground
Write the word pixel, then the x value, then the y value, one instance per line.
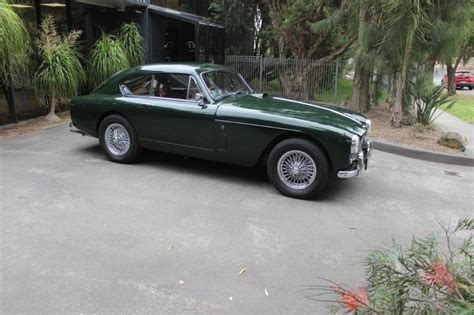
pixel 30 126
pixel 411 136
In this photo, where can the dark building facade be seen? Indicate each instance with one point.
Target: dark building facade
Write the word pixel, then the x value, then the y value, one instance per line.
pixel 174 31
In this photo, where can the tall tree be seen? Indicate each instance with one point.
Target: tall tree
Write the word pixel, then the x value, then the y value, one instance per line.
pixel 239 18
pixel 406 21
pixel 461 24
pixel 312 29
pixel 309 29
pixel 361 96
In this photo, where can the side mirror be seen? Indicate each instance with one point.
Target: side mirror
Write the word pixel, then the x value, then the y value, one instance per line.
pixel 200 97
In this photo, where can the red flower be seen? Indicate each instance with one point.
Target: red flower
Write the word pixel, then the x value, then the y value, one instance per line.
pixel 354 300
pixel 441 277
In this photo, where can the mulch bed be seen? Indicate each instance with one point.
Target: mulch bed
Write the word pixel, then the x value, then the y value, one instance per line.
pixel 31 125
pixel 411 136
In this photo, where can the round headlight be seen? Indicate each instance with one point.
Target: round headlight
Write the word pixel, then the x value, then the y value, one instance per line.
pixel 355 144
pixel 369 125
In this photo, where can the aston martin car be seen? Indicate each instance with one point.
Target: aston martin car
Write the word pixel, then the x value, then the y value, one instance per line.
pixel 209 111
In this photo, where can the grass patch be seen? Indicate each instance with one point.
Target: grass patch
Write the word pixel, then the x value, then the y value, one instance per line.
pixel 463 108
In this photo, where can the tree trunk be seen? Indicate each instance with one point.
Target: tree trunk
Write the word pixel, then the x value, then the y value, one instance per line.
pixel 397 108
pixel 295 82
pixel 361 96
pixel 451 71
pixel 376 92
pixel 429 66
pixel 52 112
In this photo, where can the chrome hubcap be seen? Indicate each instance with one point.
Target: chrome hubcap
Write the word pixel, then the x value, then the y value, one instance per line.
pixel 296 169
pixel 117 139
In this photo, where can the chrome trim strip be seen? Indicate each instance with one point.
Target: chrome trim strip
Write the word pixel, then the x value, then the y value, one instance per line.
pixel 254 125
pixel 317 106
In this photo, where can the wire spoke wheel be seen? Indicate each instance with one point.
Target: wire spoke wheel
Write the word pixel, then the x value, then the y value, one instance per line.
pixel 117 139
pixel 296 169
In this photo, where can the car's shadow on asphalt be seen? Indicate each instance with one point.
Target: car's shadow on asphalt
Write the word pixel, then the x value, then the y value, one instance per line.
pixel 254 176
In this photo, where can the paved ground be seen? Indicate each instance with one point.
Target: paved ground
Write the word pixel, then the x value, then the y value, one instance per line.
pixel 448 122
pixel 81 234
pixel 465 92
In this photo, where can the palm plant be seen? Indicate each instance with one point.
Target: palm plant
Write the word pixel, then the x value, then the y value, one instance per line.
pixel 133 43
pixel 107 57
pixel 430 102
pixel 60 73
pixel 14 47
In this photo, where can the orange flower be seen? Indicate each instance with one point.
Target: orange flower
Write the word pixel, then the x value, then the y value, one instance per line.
pixel 441 277
pixel 354 300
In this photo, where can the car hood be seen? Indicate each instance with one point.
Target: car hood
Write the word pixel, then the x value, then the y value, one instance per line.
pixel 275 109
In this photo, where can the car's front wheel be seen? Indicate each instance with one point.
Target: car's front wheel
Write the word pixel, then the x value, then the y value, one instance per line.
pixel 298 168
pixel 118 139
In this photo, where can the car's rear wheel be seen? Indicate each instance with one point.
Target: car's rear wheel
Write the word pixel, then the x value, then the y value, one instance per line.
pixel 118 139
pixel 298 168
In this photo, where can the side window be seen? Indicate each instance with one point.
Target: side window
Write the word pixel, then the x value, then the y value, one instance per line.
pixel 178 86
pixel 137 85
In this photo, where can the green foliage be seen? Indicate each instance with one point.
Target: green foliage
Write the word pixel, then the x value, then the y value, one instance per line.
pixel 108 56
pixel 429 100
pixel 14 45
pixel 239 20
pixel 422 278
pixel 60 73
pixel 132 42
pixel 312 29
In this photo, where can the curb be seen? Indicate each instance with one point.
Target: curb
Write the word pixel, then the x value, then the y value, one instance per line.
pixel 423 154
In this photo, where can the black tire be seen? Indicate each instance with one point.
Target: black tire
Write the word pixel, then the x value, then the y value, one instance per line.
pixel 133 151
pixel 319 158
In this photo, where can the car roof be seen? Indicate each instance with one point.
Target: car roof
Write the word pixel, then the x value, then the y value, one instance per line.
pixel 110 85
pixel 188 67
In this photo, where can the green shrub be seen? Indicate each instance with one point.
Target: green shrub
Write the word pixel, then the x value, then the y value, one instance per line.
pixel 60 73
pixel 14 45
pixel 132 42
pixel 423 278
pixel 107 57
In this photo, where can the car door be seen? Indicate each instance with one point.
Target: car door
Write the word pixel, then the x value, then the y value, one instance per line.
pixel 176 118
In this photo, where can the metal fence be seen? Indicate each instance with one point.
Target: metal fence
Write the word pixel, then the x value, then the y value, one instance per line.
pixel 305 79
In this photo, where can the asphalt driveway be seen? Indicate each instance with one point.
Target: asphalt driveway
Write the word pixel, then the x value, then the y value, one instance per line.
pixel 82 234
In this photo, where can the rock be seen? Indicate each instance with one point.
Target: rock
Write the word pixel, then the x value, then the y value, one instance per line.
pixel 453 140
pixel 407 120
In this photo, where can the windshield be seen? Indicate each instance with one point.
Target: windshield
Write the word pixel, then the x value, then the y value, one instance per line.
pixel 225 83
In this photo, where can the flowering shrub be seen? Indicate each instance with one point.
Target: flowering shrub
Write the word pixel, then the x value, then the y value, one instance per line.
pixel 420 279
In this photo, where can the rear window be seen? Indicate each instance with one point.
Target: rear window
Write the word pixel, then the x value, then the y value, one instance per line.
pixel 139 85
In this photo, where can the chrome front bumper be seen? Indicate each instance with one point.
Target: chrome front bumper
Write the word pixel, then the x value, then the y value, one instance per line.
pixel 360 164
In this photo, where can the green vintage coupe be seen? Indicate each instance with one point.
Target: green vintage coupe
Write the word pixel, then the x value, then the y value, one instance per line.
pixel 209 111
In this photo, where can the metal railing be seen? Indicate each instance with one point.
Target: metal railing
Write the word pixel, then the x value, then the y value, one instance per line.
pixel 305 79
